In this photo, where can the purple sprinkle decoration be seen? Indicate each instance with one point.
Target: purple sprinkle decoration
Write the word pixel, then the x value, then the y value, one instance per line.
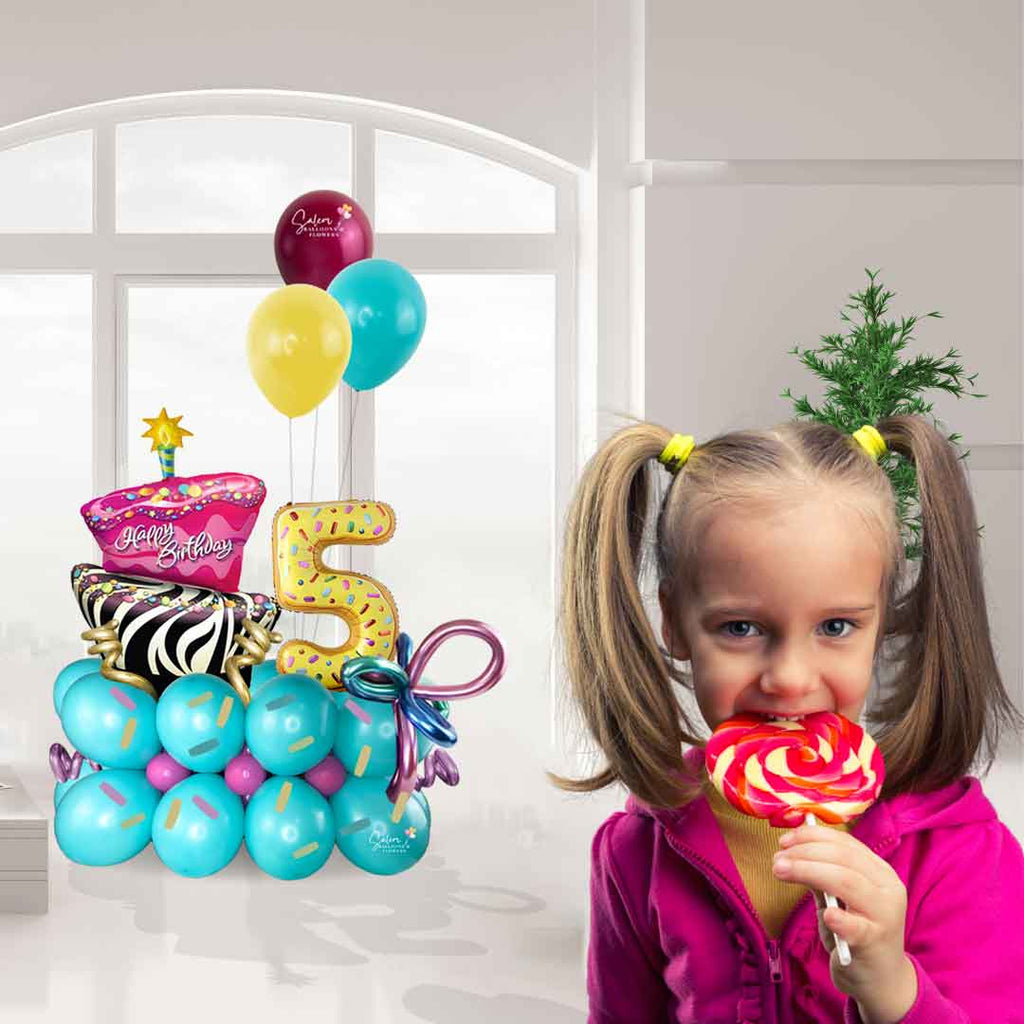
pixel 113 794
pixel 122 698
pixel 360 713
pixel 210 812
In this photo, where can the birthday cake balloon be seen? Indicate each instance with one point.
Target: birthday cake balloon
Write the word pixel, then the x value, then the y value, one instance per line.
pixel 190 529
pixel 168 629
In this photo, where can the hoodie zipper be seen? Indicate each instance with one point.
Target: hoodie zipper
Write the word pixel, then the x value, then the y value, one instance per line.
pixel 773 946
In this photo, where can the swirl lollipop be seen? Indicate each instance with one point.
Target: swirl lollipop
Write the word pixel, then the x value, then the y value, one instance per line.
pixel 792 773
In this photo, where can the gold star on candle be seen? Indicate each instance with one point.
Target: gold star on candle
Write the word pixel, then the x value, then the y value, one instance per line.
pixel 165 432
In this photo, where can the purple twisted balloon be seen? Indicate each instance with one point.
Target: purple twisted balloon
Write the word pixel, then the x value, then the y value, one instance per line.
pixel 403 782
pixel 64 766
pixel 438 764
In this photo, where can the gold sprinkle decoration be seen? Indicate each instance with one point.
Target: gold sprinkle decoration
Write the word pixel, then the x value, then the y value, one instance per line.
pixel 396 814
pixel 300 744
pixel 132 822
pixel 129 732
pixel 202 698
pixel 225 711
pixel 364 760
pixel 172 814
pixel 283 797
pixel 305 851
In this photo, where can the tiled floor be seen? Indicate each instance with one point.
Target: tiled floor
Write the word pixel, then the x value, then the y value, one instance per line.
pixel 487 927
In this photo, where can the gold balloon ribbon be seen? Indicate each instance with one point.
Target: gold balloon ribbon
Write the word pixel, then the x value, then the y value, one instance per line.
pixel 105 642
pixel 255 640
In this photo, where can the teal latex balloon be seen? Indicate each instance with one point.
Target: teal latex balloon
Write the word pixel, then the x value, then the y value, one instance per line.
pixel 289 828
pixel 106 818
pixel 387 313
pixel 70 674
pixel 370 724
pixel 198 825
pixel 262 673
pixel 201 722
pixel 368 837
pixel 60 789
pixel 291 724
pixel 111 723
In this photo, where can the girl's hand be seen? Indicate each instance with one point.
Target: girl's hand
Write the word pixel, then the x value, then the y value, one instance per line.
pixel 872 920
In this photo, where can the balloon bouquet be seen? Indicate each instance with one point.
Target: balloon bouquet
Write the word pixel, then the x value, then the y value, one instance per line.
pixel 186 735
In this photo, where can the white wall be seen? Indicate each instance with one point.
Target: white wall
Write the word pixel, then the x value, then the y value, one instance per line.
pixel 736 274
pixel 522 69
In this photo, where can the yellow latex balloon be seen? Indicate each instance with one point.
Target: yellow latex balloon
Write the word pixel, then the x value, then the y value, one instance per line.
pixel 299 343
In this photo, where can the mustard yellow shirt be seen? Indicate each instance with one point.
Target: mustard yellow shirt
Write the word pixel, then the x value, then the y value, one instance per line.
pixel 753 843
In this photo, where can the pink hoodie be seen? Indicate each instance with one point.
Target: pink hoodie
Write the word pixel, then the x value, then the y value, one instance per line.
pixel 674 936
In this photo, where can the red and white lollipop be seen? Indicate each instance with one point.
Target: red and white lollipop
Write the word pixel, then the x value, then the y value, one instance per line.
pixel 794 772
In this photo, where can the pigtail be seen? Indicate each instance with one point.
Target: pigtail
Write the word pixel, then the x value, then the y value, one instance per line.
pixel 947 697
pixel 618 673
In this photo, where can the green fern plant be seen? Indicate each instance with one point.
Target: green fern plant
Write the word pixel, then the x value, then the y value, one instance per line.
pixel 867 381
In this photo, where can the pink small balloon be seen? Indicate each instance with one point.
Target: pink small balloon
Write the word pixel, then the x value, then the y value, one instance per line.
pixel 163 772
pixel 327 777
pixel 244 774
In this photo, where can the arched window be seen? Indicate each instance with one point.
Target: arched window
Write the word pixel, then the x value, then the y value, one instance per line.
pixel 135 241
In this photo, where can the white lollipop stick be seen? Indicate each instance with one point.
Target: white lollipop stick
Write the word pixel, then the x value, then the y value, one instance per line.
pixel 831 901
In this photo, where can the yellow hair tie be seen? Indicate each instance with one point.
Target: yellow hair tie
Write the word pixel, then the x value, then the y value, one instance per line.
pixel 871 441
pixel 677 451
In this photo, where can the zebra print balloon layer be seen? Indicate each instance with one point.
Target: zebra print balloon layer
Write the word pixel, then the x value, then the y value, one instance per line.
pixel 168 629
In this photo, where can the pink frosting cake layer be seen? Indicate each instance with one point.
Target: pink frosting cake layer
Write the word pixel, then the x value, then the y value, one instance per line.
pixel 191 529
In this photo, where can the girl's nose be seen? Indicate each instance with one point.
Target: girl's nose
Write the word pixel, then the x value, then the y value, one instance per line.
pixel 790 673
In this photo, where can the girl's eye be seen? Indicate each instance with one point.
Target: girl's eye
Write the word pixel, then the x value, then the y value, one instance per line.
pixel 829 634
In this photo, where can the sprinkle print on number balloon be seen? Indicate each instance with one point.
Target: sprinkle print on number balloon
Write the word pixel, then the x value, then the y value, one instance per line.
pixel 305 584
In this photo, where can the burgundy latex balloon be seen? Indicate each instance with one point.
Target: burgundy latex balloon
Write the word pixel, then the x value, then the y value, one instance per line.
pixel 319 235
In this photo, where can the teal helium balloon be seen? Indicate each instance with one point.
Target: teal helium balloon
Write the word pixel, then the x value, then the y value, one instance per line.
pixel 70 674
pixel 111 723
pixel 290 724
pixel 201 722
pixel 289 828
pixel 262 673
pixel 368 837
pixel 370 724
pixel 387 313
pixel 60 789
pixel 198 825
pixel 106 817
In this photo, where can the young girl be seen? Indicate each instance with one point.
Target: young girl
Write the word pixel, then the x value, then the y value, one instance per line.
pixel 779 564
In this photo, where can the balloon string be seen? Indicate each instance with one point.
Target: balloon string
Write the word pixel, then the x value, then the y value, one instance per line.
pixel 344 467
pixel 291 464
pixel 312 472
pixel 291 501
pixel 312 478
pixel 351 429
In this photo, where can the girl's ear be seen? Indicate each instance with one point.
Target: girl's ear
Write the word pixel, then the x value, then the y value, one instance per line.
pixel 675 644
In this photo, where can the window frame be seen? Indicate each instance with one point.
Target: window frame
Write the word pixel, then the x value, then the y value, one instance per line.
pixel 117 262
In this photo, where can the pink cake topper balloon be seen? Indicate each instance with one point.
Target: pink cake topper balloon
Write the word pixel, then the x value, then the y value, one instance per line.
pixel 188 529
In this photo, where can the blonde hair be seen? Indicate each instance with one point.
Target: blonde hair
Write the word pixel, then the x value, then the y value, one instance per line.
pixel 946 697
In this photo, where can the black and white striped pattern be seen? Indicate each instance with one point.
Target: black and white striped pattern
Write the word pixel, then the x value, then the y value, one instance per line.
pixel 168 629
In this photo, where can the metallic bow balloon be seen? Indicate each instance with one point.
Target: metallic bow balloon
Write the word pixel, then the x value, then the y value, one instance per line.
pixel 382 680
pixel 64 766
